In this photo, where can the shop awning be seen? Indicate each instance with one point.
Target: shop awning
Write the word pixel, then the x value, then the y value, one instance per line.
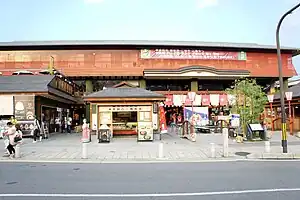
pixel 119 94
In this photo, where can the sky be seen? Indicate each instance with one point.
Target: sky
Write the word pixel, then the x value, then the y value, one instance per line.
pixel 242 21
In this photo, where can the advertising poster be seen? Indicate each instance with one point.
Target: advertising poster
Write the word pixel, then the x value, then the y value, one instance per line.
pixel 24 107
pixel 200 115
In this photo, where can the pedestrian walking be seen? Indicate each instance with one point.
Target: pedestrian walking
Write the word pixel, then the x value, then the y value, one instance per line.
pixel 36 132
pixel 57 124
pixel 11 133
pixel 69 124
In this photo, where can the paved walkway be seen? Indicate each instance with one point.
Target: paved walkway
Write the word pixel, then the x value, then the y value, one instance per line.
pixel 67 147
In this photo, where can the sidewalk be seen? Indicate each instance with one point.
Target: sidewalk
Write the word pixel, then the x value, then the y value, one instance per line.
pixel 68 148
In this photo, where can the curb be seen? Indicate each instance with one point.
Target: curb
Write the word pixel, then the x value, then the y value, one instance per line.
pixel 87 161
pixel 274 156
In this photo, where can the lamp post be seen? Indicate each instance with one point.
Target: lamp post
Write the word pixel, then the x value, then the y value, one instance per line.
pixel 271 99
pixel 191 96
pixel 289 96
pixel 283 115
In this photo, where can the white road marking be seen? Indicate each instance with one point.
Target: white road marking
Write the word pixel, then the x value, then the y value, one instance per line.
pixel 158 194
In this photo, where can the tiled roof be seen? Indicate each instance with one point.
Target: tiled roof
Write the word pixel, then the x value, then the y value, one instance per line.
pixel 295 89
pixel 124 93
pixel 25 83
pixel 141 43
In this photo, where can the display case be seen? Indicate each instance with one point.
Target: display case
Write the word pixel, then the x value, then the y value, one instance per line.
pixel 125 128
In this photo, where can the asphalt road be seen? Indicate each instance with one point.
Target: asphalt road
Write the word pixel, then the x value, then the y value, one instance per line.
pixel 179 181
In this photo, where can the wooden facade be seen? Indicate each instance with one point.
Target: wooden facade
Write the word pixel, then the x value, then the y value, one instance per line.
pixel 85 63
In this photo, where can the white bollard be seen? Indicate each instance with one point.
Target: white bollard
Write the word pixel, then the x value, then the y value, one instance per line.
pixel 213 150
pixel 84 150
pixel 161 150
pixel 18 151
pixel 225 142
pixel 267 147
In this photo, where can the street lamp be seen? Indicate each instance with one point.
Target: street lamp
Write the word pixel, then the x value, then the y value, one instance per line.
pixel 283 115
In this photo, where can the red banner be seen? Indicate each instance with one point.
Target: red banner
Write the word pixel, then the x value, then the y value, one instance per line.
pixel 223 100
pixel 162 119
pixel 191 54
pixel 188 102
pixel 205 100
pixel 169 100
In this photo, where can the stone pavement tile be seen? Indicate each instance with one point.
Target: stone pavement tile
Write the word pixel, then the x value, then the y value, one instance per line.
pixel 74 155
pixel 172 155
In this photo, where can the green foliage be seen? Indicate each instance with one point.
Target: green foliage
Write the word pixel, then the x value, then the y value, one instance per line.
pixel 249 102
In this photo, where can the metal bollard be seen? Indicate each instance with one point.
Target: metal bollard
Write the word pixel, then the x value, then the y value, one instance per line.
pixel 267 147
pixel 225 142
pixel 84 150
pixel 161 150
pixel 213 150
pixel 18 151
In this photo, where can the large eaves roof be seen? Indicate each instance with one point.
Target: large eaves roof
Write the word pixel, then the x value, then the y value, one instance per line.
pixel 139 44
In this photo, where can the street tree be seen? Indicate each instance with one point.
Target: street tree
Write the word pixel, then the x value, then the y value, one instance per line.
pixel 248 100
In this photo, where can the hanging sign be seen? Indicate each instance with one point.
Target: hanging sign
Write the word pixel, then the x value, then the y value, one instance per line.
pixel 289 95
pixel 271 98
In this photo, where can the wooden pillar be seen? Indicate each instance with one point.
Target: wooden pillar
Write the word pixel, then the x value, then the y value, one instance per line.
pixel 89 88
pixel 142 83
pixel 194 85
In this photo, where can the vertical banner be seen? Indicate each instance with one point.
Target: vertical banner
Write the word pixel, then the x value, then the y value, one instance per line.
pixel 198 114
pixel 162 119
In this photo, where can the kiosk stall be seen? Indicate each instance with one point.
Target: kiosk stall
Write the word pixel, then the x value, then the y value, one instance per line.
pixel 127 111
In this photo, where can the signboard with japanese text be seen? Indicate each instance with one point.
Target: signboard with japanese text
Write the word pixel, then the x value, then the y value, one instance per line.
pixel 191 54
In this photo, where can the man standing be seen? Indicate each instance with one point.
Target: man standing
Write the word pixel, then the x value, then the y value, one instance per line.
pixel 69 124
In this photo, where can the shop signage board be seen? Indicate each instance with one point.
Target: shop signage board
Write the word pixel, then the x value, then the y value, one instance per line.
pixel 24 111
pixel 145 131
pixel 124 108
pixel 24 107
pixel 191 54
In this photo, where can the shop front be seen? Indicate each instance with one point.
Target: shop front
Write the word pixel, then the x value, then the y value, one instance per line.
pixel 126 111
pixel 30 97
pixel 204 105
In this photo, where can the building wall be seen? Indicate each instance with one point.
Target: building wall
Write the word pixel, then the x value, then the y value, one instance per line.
pixel 128 63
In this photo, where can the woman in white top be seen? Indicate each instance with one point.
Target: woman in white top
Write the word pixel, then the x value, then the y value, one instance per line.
pixel 11 133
